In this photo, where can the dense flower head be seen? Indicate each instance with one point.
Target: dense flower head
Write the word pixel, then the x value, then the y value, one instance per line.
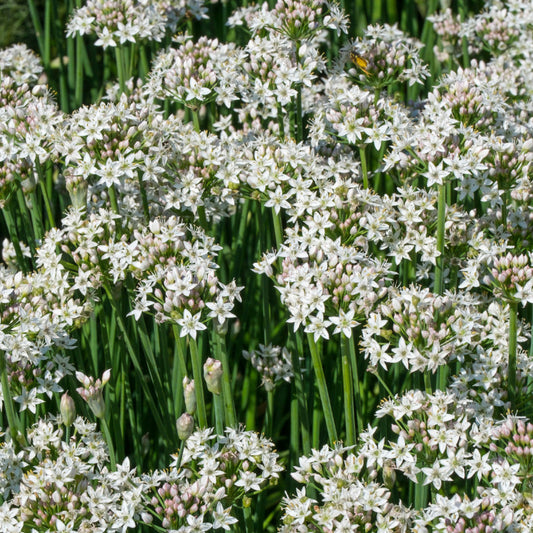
pixel 60 484
pixel 267 78
pixel 416 328
pixel 37 313
pixel 215 472
pixel 349 496
pixel 21 64
pixel 273 364
pixel 447 26
pixel 320 279
pixel 512 440
pixel 110 145
pixel 512 277
pixel 458 514
pixel 116 22
pixel 354 118
pixel 190 73
pixel 495 29
pixel 389 57
pixel 298 20
pixel 29 118
pixel 125 151
pixel 171 265
pixel 395 232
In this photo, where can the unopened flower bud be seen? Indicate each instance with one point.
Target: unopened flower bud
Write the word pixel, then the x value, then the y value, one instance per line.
pixel 189 393
pixel 389 474
pixel 145 444
pixel 147 518
pixel 185 426
pixel 67 409
pixel 213 375
pixel 97 404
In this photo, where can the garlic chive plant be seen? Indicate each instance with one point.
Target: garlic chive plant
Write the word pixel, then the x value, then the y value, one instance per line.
pixel 267 267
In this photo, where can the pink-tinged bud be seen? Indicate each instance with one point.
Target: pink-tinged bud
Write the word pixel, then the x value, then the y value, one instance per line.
pixel 92 391
pixel 97 404
pixel 213 375
pixel 185 426
pixel 67 409
pixel 189 393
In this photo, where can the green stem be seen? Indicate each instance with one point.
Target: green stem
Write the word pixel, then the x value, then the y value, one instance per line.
pixel 438 285
pixel 144 199
pixel 28 221
pixel 109 441
pixel 364 169
pixel 180 454
pixel 143 62
pixel 383 383
pixel 12 418
pixel 112 193
pixel 120 68
pixel 133 353
pixel 47 32
pixel 154 366
pixel 13 236
pixel 196 360
pixel 219 413
pixel 464 42
pixel 322 389
pixel 249 526
pixel 513 333
pixel 278 231
pixel 504 210
pixel 78 84
pixel 227 392
pixel 299 115
pixel 34 13
pixel 179 371
pixel 427 383
pixel 299 404
pixel 281 124
pixel 47 205
pixel 357 385
pixel 195 120
pixel 269 418
pixel 347 385
pixel 421 492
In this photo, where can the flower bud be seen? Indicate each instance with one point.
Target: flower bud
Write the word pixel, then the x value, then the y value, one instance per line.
pixel 213 375
pixel 145 444
pixel 185 426
pixel 389 474
pixel 97 404
pixel 189 394
pixel 67 409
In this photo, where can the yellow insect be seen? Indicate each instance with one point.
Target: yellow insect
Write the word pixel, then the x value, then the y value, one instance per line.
pixel 359 61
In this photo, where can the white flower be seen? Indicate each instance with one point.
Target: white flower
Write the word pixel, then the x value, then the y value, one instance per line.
pixel 190 324
pixel 344 323
pixel 222 518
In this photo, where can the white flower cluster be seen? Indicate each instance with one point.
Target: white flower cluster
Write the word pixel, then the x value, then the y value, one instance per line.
pixel 214 472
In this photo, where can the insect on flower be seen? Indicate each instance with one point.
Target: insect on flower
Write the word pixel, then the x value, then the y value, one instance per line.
pixel 359 61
